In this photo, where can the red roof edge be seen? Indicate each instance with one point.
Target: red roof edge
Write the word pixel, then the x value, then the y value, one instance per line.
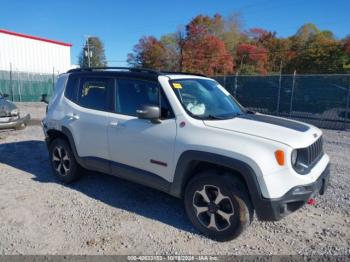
pixel 34 38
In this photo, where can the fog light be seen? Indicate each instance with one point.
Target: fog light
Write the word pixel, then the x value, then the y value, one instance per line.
pixel 299 190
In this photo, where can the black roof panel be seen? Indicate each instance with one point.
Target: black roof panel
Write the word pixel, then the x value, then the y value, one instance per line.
pixel 126 72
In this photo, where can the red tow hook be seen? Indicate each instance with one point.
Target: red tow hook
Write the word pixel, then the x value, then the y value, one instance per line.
pixel 311 202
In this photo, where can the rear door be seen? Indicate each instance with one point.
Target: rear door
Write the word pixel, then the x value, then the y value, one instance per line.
pixel 138 143
pixel 88 117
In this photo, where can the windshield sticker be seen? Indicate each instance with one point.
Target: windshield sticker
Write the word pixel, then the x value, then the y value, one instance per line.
pixel 177 85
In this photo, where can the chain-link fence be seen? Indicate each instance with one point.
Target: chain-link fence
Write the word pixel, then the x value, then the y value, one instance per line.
pixel 26 86
pixel 322 100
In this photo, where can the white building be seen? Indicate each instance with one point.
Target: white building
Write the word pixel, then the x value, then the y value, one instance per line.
pixel 33 54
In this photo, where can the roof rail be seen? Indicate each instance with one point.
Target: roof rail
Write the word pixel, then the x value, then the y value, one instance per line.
pixel 131 69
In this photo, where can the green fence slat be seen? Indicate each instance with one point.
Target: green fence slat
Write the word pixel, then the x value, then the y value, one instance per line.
pixel 26 87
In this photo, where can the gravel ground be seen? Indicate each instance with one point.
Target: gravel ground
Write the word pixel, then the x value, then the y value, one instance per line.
pixel 101 214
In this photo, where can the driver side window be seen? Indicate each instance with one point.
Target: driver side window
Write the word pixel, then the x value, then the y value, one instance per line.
pixel 132 94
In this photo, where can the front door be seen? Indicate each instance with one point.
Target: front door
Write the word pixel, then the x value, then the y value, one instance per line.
pixel 138 143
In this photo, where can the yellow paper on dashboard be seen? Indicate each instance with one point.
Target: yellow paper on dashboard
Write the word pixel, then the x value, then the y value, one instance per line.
pixel 177 85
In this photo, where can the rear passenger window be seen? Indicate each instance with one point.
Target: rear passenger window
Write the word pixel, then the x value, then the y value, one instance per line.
pixel 133 94
pixel 95 93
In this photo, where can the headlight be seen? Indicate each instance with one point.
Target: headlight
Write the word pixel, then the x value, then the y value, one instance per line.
pixel 14 112
pixel 294 157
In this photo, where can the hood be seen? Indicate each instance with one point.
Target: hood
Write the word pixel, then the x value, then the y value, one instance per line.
pixel 293 133
pixel 6 107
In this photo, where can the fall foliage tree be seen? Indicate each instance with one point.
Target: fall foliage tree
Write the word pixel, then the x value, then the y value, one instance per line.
pixel 217 45
pixel 276 48
pixel 148 53
pixel 252 59
pixel 347 44
pixel 203 51
pixel 207 55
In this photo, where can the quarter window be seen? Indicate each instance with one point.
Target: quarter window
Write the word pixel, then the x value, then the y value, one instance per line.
pixel 71 88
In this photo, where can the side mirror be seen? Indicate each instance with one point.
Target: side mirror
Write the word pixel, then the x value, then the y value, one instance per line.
pixel 44 98
pixel 5 95
pixel 149 112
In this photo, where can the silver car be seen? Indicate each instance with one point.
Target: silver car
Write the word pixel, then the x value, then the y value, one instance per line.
pixel 10 115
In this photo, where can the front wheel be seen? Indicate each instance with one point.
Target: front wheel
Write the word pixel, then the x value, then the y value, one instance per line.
pixel 63 163
pixel 218 205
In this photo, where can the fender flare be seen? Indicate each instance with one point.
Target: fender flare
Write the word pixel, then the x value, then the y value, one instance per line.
pixel 183 174
pixel 69 135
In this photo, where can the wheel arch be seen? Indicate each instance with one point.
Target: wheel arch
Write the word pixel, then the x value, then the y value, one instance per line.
pixel 66 134
pixel 192 162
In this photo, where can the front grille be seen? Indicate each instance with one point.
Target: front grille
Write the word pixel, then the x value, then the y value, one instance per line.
pixel 309 155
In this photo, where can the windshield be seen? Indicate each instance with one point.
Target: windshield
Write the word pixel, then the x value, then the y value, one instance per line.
pixel 206 99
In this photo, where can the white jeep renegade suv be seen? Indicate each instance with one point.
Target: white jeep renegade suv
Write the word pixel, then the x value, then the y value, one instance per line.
pixel 187 136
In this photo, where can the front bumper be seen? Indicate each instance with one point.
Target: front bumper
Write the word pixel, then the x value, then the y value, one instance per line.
pixel 275 209
pixel 17 124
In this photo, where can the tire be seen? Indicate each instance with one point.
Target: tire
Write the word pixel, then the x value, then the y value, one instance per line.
pixel 229 216
pixel 63 163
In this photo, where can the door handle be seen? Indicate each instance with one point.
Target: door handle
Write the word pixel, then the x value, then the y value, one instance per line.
pixel 73 116
pixel 116 124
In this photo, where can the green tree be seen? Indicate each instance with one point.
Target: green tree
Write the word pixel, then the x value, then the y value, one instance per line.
pixel 173 44
pixel 97 53
pixel 306 32
pixel 320 54
pixel 232 34
pixel 315 51
pixel 346 47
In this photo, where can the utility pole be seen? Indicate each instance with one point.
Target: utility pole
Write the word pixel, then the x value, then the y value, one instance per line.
pixel 292 94
pixel 347 113
pixel 88 52
pixel 236 78
pixel 236 85
pixel 279 89
pixel 11 84
pixel 180 43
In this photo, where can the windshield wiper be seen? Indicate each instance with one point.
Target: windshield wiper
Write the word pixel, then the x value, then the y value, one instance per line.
pixel 215 117
pixel 250 112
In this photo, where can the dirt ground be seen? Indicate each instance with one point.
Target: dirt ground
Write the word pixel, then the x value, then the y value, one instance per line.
pixel 101 214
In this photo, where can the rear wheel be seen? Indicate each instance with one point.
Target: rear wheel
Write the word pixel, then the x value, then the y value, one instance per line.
pixel 63 163
pixel 218 205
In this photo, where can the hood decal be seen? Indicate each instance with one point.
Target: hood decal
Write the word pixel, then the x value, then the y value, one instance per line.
pixel 276 121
